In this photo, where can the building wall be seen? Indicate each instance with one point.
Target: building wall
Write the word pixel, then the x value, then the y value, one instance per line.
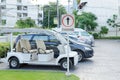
pixel 28 9
pixel 103 9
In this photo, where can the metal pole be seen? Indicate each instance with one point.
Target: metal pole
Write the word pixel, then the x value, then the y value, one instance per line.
pixel 58 13
pixel 68 70
pixel 68 6
pixel 38 14
pixel 48 18
pixel 11 42
pixel 0 15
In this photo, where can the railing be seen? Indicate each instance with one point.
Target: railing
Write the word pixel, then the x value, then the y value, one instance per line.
pixel 6 38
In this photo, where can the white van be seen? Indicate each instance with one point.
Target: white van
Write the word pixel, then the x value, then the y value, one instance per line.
pixel 23 54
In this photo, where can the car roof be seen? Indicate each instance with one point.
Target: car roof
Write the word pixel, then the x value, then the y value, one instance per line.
pixel 78 29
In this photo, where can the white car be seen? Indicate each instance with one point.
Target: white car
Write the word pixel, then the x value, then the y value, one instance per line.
pixel 80 34
pixel 84 36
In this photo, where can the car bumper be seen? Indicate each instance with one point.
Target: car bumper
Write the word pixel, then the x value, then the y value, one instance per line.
pixel 89 54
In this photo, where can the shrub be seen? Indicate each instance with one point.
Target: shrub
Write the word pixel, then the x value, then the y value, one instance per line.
pixel 111 37
pixel 104 30
pixel 96 35
pixel 4 47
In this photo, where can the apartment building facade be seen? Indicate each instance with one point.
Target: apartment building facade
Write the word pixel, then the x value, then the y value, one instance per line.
pixel 13 10
pixel 103 9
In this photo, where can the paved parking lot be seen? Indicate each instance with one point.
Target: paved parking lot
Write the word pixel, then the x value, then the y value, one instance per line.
pixel 103 66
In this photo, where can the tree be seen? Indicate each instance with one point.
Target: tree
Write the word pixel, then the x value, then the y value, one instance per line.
pixel 104 30
pixel 112 22
pixel 78 1
pixel 27 23
pixel 85 20
pixel 51 12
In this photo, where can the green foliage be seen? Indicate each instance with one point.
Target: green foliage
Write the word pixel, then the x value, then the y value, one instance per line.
pixel 78 1
pixel 4 47
pixel 85 20
pixel 104 30
pixel 111 37
pixel 34 75
pixel 96 35
pixel 27 23
pixel 51 11
pixel 111 21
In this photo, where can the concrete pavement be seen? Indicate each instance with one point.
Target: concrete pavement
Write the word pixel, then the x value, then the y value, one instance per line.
pixel 105 63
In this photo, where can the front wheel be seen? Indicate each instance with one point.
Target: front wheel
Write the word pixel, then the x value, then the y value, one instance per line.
pixel 63 64
pixel 14 63
pixel 80 56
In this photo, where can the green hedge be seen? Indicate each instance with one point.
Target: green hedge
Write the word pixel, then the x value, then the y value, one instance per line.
pixel 4 47
pixel 111 37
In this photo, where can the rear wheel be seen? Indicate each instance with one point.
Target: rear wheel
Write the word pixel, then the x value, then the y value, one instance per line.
pixel 14 63
pixel 63 64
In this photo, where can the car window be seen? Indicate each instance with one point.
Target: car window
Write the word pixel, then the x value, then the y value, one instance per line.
pixel 40 37
pixel 73 38
pixel 53 38
pixel 64 34
pixel 84 33
pixel 28 37
pixel 77 33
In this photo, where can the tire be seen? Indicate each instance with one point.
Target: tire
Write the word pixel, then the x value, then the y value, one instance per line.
pixel 80 56
pixel 14 63
pixel 63 64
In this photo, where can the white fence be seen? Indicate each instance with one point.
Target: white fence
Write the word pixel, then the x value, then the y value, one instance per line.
pixel 6 38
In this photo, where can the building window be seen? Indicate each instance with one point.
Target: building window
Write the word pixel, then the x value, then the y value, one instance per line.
pixel 19 7
pixel 3 6
pixel 3 22
pixel 40 22
pixel 25 7
pixel 3 1
pixel 25 14
pixel 40 15
pixel 19 1
pixel 19 15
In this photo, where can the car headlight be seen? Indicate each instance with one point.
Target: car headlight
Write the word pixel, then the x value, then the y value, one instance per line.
pixel 87 48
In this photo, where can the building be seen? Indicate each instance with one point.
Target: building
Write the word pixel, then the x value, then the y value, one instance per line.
pixel 13 10
pixel 103 9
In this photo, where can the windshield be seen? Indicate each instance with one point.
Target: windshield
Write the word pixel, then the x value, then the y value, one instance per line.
pixel 61 38
pixel 83 33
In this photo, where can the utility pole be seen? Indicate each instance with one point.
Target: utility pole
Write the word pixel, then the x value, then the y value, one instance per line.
pixel 48 18
pixel 58 14
pixel 38 14
pixel 0 14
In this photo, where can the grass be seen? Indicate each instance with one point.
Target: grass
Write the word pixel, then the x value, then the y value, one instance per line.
pixel 34 75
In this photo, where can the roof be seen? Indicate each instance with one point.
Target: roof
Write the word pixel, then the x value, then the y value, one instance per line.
pixel 25 30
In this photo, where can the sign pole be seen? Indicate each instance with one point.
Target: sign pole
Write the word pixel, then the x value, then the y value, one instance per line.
pixel 68 65
pixel 68 70
pixel 68 23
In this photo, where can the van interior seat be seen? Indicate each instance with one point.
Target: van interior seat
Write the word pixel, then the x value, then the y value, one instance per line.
pixel 42 47
pixel 18 47
pixel 26 47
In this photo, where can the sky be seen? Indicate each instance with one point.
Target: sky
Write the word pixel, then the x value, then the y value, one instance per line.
pixel 63 2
